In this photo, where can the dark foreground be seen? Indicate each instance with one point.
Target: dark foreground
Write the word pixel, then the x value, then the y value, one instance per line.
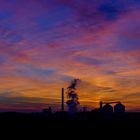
pixel 86 124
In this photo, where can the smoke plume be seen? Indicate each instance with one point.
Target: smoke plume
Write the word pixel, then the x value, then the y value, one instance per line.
pixel 72 95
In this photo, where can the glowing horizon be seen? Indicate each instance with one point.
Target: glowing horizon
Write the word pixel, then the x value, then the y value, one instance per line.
pixel 44 44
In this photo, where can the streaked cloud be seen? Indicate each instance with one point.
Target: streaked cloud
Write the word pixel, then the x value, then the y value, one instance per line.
pixel 46 43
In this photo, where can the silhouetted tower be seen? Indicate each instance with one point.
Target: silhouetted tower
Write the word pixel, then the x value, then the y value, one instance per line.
pixel 62 102
pixel 101 104
pixel 119 108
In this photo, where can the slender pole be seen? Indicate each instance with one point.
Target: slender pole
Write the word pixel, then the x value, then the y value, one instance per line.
pixel 62 104
pixel 101 104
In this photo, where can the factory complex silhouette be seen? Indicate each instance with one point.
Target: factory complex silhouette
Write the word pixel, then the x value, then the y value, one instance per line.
pixel 73 102
pixel 109 116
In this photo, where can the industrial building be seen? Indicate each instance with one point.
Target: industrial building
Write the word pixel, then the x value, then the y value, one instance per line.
pixel 119 108
pixel 106 107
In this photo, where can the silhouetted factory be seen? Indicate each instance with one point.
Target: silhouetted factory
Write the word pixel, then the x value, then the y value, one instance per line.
pixel 106 107
pixel 73 102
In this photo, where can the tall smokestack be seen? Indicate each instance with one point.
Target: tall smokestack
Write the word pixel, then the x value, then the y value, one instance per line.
pixel 62 102
pixel 101 104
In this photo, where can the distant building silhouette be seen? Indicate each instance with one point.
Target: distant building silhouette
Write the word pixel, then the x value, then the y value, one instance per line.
pixel 84 109
pixel 119 108
pixel 72 106
pixel 47 110
pixel 107 108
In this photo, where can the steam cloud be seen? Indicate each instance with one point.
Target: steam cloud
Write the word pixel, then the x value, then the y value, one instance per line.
pixel 72 95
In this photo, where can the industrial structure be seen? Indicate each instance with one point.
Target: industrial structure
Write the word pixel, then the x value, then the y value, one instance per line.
pixel 106 107
pixel 73 102
pixel 47 110
pixel 62 102
pixel 73 96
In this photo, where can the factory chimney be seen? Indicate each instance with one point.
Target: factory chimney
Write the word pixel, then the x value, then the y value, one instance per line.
pixel 101 104
pixel 62 102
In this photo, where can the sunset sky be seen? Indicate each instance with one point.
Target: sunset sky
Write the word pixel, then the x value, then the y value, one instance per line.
pixel 44 44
